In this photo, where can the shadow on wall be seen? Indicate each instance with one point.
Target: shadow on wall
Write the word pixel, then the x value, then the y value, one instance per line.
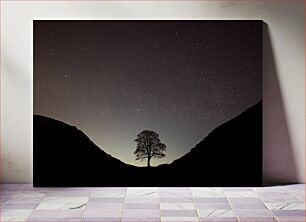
pixel 278 161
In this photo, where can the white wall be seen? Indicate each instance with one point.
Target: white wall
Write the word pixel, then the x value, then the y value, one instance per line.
pixel 284 80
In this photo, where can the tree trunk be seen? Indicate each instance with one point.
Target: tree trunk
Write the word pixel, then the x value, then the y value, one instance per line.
pixel 148 165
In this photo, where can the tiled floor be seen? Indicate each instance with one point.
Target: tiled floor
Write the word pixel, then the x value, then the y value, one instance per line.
pixel 22 202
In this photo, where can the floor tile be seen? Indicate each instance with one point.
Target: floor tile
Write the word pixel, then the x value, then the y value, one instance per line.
pixel 291 219
pixel 175 194
pixel 177 206
pixel 237 189
pixel 19 206
pixel 244 200
pixel 25 194
pixel 240 194
pixel 296 187
pixel 30 200
pixel 216 213
pixel 276 197
pixel 299 194
pixel 105 200
pixel 10 187
pixel 207 192
pixel 174 189
pixel 109 189
pixel 210 200
pixel 3 200
pixel 57 213
pixel 67 193
pixel 29 187
pixel 142 200
pixel 285 206
pixel 141 206
pixel 179 219
pixel 260 204
pixel 289 213
pixel 280 200
pixel 155 189
pixel 62 203
pixel 279 189
pixel 117 193
pixel 141 193
pixel 213 205
pixel 142 213
pixel 140 219
pixel 104 205
pixel 254 219
pixel 218 219
pixel 176 200
pixel 55 219
pixel 14 214
pixel 179 213
pixel 236 205
pixel 101 219
pixel 255 213
pixel 103 213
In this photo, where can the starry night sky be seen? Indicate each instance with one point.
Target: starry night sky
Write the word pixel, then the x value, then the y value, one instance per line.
pixel 112 79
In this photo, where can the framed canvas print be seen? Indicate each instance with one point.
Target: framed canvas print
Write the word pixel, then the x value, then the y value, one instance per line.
pixel 147 103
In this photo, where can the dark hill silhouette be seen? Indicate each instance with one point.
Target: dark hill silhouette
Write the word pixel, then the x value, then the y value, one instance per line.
pixel 231 155
pixel 64 156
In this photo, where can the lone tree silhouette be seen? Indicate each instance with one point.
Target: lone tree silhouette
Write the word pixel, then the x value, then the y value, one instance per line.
pixel 149 146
